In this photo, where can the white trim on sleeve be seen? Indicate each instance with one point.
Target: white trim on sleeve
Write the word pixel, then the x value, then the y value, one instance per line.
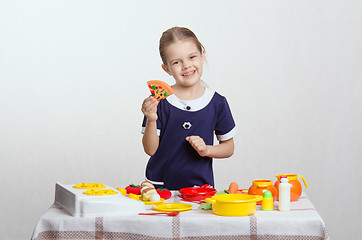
pixel 144 128
pixel 154 182
pixel 228 135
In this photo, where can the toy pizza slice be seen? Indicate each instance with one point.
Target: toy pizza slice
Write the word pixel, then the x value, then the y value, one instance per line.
pixel 159 90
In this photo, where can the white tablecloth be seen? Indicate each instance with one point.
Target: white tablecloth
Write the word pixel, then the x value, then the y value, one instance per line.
pixel 302 222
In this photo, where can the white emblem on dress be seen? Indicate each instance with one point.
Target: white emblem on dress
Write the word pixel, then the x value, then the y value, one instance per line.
pixel 186 125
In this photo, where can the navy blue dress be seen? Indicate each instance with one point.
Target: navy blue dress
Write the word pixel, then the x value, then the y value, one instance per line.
pixel 176 164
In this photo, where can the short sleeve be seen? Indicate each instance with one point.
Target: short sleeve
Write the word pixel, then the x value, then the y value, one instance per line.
pixel 225 127
pixel 144 126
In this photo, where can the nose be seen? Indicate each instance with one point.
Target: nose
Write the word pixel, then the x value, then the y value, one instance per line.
pixel 186 65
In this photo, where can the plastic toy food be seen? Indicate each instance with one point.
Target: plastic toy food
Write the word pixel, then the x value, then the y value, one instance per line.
pixel 159 90
pixel 149 193
pixel 122 191
pixel 146 193
pixel 147 184
pixel 134 196
pixel 135 189
pixel 296 189
pixel 164 193
pixel 233 187
pixel 100 192
pixel 89 185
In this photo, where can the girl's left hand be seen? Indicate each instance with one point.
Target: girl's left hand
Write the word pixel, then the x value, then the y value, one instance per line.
pixel 198 144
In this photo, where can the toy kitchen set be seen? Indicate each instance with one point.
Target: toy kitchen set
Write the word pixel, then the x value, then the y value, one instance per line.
pixel 92 199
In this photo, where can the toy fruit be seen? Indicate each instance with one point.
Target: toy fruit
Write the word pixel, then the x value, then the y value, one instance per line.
pixel 296 189
pixel 233 187
pixel 259 186
pixel 164 193
pixel 135 189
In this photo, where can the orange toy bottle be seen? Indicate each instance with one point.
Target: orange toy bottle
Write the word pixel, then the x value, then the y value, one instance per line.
pixel 260 186
pixel 296 189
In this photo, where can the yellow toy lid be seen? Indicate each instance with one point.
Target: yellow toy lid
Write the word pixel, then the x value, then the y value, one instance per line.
pixel 262 183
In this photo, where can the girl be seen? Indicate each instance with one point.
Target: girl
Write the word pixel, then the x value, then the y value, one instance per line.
pixel 178 131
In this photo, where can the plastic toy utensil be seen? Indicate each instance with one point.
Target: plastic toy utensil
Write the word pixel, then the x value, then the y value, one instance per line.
pixel 172 214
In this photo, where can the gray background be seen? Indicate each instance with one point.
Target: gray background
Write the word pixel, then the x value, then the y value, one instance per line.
pixel 73 76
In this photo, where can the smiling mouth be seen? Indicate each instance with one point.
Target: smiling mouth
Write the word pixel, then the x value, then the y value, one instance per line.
pixel 188 73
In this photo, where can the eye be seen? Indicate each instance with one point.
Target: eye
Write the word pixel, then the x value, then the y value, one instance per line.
pixel 175 63
pixel 193 56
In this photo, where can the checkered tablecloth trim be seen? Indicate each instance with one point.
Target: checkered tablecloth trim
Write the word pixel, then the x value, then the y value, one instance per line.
pixel 100 234
pixel 86 235
pixel 47 235
pixel 258 237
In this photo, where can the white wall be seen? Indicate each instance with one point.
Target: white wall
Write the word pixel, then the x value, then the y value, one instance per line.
pixel 290 70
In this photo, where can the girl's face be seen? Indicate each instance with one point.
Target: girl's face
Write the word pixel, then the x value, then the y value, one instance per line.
pixel 184 63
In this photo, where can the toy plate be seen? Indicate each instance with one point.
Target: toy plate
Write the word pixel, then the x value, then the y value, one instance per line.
pixel 172 207
pixel 197 193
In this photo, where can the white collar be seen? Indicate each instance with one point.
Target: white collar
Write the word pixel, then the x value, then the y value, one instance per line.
pixel 192 105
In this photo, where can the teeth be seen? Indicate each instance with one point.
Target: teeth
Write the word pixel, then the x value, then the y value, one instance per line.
pixel 187 74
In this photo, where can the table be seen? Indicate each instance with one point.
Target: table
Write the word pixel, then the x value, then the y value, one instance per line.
pixel 301 222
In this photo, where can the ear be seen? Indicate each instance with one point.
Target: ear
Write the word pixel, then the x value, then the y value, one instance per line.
pixel 203 56
pixel 165 68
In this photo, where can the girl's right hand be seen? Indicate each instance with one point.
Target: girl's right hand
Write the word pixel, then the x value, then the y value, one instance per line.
pixel 149 108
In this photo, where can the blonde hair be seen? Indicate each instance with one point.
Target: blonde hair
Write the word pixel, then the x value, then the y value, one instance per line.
pixel 177 34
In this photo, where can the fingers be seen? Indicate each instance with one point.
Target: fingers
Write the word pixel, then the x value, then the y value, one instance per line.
pixel 198 144
pixel 149 105
pixel 149 108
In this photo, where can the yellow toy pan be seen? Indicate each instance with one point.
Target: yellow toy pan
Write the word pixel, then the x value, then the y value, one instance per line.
pixel 234 204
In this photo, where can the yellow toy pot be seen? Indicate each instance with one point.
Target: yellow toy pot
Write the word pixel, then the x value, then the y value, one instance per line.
pixel 234 204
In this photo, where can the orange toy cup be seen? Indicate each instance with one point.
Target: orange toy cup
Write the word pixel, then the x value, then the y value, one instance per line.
pixel 260 186
pixel 296 188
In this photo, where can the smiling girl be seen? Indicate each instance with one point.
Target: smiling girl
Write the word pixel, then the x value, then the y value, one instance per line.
pixel 178 132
